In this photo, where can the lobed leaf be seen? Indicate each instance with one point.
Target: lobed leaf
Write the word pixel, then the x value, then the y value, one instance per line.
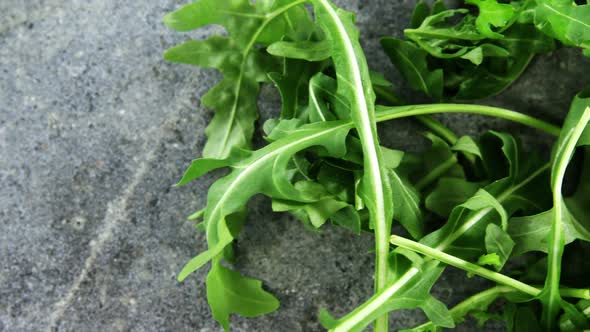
pixel 565 21
pixel 242 64
pixel 491 14
pixel 229 292
pixel 411 62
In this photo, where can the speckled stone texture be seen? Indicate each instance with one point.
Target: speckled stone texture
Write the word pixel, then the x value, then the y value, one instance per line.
pixel 95 128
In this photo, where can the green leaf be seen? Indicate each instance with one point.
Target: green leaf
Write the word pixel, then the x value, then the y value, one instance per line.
pixel 476 305
pixel 483 199
pixel 348 218
pixel 510 149
pixel 303 50
pixel 324 102
pixel 199 167
pixel 442 26
pixel 468 222
pixel 568 323
pixel 531 233
pixel 420 13
pixel 242 64
pixel 571 132
pixel 411 62
pixel 468 145
pixel 315 213
pixel 448 193
pixel 231 193
pixel 406 206
pixel 228 292
pixel 489 259
pixel 452 36
pixel 436 162
pixel 491 14
pixel 377 79
pixel 292 84
pixel 354 84
pixel 564 20
pixel 522 42
pixel 498 242
pixel 478 54
pixel 415 293
pixel 523 319
pixel 461 236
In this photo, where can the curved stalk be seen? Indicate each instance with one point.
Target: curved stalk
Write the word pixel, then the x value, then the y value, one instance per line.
pixel 486 297
pixel 427 121
pixel 353 82
pixel 388 113
pixel 377 300
pixel 464 265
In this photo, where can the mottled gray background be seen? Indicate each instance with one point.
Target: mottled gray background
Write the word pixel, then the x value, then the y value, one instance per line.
pixel 95 128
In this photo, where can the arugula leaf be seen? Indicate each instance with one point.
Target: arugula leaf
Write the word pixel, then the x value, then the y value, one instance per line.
pixel 491 13
pixel 292 84
pixel 523 42
pixel 354 84
pixel 315 213
pixel 406 206
pixel 348 218
pixel 531 233
pixel 410 292
pixel 242 64
pixel 566 21
pixel 419 14
pixel 477 54
pixel 411 62
pixel 229 292
pixel 468 145
pixel 475 305
pixel 476 62
pixel 232 192
pixel 461 235
pixel 304 50
pixel 567 322
pixel 498 242
pixel 324 102
pixel 434 163
pixel 448 193
pixel 572 131
pixel 522 319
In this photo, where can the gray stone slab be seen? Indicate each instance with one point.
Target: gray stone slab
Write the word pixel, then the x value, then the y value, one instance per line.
pixel 95 128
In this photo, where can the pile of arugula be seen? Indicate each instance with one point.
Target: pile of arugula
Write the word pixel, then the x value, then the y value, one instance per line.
pixel 508 218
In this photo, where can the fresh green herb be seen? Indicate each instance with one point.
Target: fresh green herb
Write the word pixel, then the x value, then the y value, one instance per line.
pixel 323 161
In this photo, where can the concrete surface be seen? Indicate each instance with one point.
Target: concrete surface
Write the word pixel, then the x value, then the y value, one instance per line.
pixel 95 128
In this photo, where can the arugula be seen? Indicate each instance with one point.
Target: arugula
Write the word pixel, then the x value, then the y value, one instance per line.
pixel 572 132
pixel 354 84
pixel 456 55
pixel 243 65
pixel 565 21
pixel 480 201
pixel 491 14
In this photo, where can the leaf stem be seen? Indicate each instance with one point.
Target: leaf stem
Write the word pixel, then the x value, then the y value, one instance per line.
pixel 462 309
pixel 565 150
pixel 438 128
pixel 486 297
pixel 578 293
pixel 436 173
pixel 464 265
pixel 361 312
pixel 368 308
pixel 429 122
pixel 352 70
pixel 388 113
pixel 197 215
